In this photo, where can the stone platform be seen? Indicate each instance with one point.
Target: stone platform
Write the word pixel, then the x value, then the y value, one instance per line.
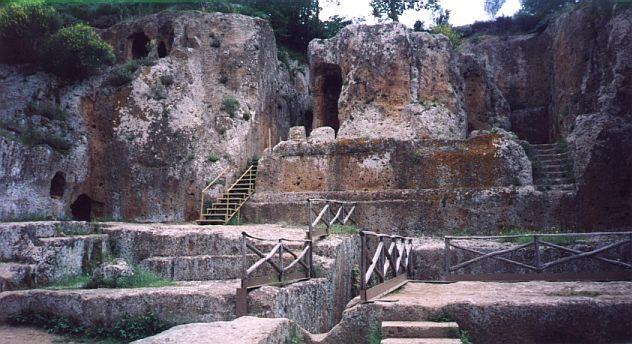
pixel 530 312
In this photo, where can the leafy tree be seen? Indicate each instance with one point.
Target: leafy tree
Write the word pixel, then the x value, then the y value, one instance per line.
pixel 394 8
pixel 76 51
pixel 493 6
pixel 23 28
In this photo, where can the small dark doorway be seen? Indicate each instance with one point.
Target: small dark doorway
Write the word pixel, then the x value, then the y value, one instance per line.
pixel 57 185
pixel 82 208
pixel 328 85
pixel 162 50
pixel 139 45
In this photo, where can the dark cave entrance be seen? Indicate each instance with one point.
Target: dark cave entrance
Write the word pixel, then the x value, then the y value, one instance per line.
pixel 82 208
pixel 57 185
pixel 162 50
pixel 139 45
pixel 328 85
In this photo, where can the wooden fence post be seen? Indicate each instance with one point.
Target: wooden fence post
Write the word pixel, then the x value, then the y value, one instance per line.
pixel 446 257
pixel 363 267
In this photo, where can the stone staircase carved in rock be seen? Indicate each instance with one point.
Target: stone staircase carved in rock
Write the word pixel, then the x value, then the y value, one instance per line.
pixel 420 332
pixel 229 204
pixel 553 167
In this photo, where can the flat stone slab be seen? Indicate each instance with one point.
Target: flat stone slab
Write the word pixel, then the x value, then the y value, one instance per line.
pixel 244 330
pixel 183 303
pixel 436 295
pixel 528 312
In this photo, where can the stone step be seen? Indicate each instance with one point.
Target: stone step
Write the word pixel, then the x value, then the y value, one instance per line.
pixel 553 181
pixel 544 145
pixel 209 267
pixel 555 168
pixel 15 276
pixel 555 174
pixel 552 159
pixel 552 155
pixel 419 329
pixel 420 341
pixel 559 187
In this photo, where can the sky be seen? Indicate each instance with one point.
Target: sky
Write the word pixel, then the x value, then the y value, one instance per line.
pixel 462 12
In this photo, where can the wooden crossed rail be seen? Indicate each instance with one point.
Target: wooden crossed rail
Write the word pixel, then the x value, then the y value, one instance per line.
pixel 537 266
pixel 390 263
pixel 275 258
pixel 332 212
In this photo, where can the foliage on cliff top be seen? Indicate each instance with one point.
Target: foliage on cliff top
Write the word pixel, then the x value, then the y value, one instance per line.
pixel 76 52
pixel 31 33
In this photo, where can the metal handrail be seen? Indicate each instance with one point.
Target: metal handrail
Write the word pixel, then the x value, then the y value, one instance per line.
pixel 206 188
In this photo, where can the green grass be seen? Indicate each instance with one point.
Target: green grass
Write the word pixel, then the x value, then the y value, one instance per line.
pixel 375 335
pixel 465 338
pixel 344 229
pixel 126 329
pixel 141 279
pixel 528 237
pixel 71 282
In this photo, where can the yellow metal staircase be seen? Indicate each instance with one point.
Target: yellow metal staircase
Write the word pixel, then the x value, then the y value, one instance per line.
pixel 225 208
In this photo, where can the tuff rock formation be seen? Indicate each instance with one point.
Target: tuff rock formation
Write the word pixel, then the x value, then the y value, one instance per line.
pixel 385 81
pixel 211 99
pixel 572 82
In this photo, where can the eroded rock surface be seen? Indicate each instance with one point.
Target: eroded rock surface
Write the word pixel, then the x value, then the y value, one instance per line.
pixel 385 81
pixel 213 95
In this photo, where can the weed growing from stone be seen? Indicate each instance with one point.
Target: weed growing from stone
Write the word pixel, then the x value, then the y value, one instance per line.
pixel 212 158
pixel 465 338
pixel 230 105
pixel 527 237
pixel 344 229
pixel 127 328
pixel 158 91
pixel 375 335
pixel 71 282
pixel 167 80
pixel 441 316
pixel 45 109
pixel 141 279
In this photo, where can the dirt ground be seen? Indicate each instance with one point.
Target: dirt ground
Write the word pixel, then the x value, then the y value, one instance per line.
pixel 24 335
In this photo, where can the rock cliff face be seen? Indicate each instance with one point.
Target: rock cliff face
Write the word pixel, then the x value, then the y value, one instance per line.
pixel 386 81
pixel 209 100
pixel 573 82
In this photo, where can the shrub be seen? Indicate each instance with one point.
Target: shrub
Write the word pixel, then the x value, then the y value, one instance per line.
pixel 212 158
pixel 76 52
pixel 34 137
pixel 247 116
pixel 23 28
pixel 448 31
pixel 167 80
pixel 157 91
pixel 124 74
pixel 45 109
pixel 230 105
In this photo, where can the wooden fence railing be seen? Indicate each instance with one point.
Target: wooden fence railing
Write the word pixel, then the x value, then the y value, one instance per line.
pixel 385 261
pixel 286 265
pixel 537 267
pixel 327 213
